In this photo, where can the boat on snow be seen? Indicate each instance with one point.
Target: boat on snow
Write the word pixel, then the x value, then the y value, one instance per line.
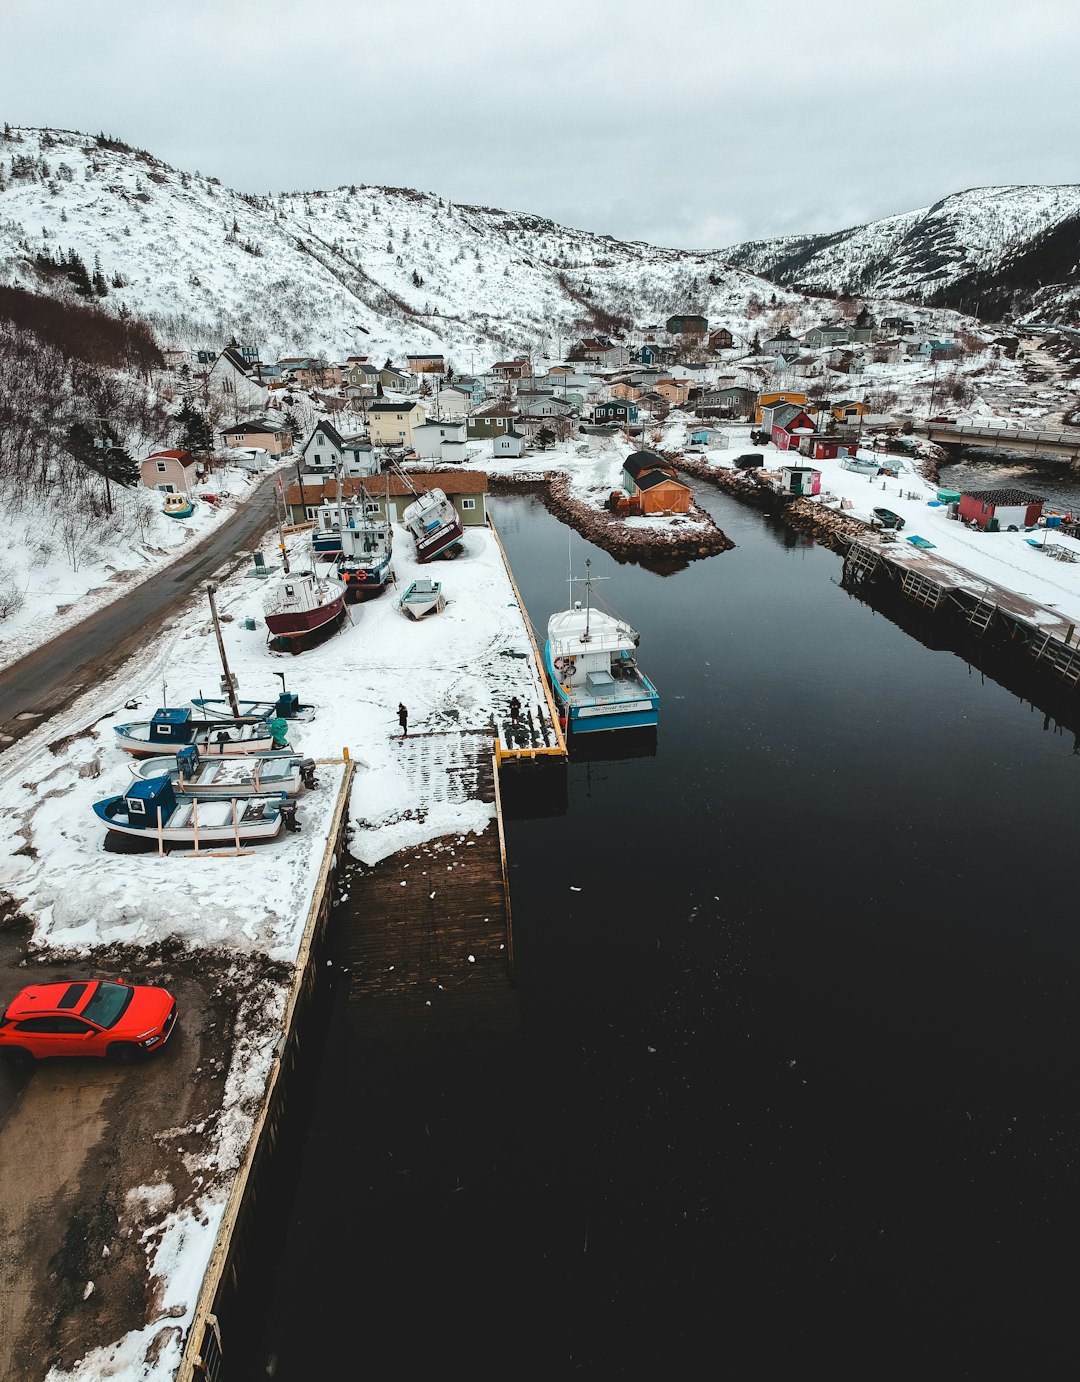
pixel 152 809
pixel 172 728
pixel 243 776
pixel 434 525
pixel 302 605
pixel 590 658
pixel 177 506
pixel 422 598
pixel 367 541
pixel 286 707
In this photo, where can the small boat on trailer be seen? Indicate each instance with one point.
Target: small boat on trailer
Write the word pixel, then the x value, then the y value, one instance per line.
pixel 591 663
pixel 172 728
pixel 152 810
pixel 191 775
pixel 421 599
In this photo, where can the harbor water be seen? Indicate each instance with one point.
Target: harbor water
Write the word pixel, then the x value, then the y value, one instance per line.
pixel 791 1078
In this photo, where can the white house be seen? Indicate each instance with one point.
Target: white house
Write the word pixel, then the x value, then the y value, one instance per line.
pixel 326 449
pixel 510 444
pixel 451 403
pixel 429 438
pixel 232 383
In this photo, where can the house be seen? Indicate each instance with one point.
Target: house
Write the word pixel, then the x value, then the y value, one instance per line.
pixel 172 472
pixel 798 480
pixel 660 493
pixel 819 336
pixel 721 339
pixel 601 351
pixel 708 436
pixel 511 369
pixel 494 419
pixel 626 390
pixel 232 384
pixel 391 423
pixel 544 406
pixel 822 447
pixel 783 343
pixel 391 378
pixel 451 402
pixel 617 410
pixel 511 443
pixel 650 480
pixel 777 396
pixel 849 410
pixel 472 386
pixel 687 326
pixel 326 449
pixel 464 488
pixel 652 353
pixel 425 364
pixel 674 392
pixel 731 400
pixel 787 424
pixel 901 326
pixel 1000 510
pixel 264 432
pixel 429 438
pixel 361 380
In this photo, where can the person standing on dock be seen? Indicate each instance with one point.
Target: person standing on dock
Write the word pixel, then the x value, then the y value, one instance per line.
pixel 403 720
pixel 515 709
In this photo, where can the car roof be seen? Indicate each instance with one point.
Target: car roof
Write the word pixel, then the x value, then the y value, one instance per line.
pixel 69 996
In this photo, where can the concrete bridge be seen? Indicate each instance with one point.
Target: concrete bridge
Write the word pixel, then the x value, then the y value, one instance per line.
pixel 954 437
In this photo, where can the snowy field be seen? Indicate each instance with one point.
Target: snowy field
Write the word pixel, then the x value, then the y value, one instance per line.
pixel 62 568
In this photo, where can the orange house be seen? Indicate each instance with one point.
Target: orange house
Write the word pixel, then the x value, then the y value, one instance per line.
pixel 674 391
pixel 765 400
pixel 659 493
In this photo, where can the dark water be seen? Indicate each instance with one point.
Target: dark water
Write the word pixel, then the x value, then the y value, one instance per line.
pixel 791 1085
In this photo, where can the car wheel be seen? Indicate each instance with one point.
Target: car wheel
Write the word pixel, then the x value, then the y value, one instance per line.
pixel 19 1058
pixel 123 1053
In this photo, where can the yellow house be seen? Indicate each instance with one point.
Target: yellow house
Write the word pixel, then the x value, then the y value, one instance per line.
pixel 630 392
pixel 391 424
pixel 766 400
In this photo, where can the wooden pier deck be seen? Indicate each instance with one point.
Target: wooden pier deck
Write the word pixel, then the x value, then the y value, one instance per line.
pixel 426 933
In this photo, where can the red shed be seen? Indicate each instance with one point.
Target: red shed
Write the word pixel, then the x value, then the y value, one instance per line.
pixel 1001 510
pixel 789 428
pixel 821 448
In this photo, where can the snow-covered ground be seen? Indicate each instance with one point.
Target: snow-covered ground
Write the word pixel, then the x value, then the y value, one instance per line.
pixel 63 568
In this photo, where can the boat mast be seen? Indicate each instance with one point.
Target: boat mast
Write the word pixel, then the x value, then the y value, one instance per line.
pixel 228 681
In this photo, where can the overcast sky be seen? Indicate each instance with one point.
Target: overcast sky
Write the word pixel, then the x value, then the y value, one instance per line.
pixel 696 123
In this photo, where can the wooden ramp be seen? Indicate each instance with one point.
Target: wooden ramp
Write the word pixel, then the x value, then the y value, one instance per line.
pixel 426 932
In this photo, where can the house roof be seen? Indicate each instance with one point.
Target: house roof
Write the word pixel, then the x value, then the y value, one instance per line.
pixel 1004 496
pixel 640 461
pixel 652 478
pixel 184 457
pixel 329 431
pixel 235 359
pixel 451 482
pixel 389 406
pixel 496 410
pixel 253 424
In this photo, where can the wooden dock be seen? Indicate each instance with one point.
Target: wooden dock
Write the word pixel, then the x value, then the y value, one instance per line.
pixel 427 933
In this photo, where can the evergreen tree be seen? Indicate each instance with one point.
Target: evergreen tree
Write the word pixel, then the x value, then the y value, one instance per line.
pixel 77 275
pixel 195 433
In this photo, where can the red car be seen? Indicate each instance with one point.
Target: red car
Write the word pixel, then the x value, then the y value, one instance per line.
pixel 93 1017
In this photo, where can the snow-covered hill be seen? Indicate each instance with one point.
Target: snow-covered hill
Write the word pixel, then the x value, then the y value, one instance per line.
pixel 995 249
pixel 369 270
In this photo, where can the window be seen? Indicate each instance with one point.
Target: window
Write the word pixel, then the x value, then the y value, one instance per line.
pixel 161 467
pixel 371 508
pixel 136 807
pixel 468 503
pixel 311 512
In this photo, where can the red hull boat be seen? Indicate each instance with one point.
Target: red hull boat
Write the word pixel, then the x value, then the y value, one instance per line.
pixel 303 604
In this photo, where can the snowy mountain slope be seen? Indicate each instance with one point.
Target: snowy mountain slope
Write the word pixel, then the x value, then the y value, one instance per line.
pixel 936 255
pixel 355 270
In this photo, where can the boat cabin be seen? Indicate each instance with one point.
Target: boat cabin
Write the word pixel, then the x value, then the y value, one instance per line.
pixel 172 727
pixel 145 799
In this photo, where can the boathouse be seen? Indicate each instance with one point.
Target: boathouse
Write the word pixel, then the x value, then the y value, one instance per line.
pixel 826 448
pixel 788 425
pixel 799 479
pixel 1001 510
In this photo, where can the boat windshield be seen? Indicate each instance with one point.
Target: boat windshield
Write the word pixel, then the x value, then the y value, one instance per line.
pixel 108 1004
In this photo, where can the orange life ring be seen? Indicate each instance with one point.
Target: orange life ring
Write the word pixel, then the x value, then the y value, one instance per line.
pixel 560 663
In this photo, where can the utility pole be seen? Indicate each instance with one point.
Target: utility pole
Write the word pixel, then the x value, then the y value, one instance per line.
pixel 227 681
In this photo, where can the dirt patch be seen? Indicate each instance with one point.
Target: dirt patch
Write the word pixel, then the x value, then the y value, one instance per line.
pixel 94 1157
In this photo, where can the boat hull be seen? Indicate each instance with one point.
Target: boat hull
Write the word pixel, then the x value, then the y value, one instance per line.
pixel 217 708
pixel 300 623
pixel 432 546
pixel 631 707
pixel 226 778
pixel 263 822
pixel 208 746
pixel 362 582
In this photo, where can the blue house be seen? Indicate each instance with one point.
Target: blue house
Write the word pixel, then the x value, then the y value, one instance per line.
pixel 615 410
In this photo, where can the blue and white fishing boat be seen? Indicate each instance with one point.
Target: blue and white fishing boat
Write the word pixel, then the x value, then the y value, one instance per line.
pixel 249 775
pixel 287 707
pixel 366 544
pixel 153 810
pixel 591 662
pixel 172 728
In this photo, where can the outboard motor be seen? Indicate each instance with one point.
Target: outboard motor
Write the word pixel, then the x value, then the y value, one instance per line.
pixel 307 772
pixel 288 815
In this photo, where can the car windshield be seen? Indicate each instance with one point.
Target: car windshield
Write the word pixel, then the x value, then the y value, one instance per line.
pixel 107 1004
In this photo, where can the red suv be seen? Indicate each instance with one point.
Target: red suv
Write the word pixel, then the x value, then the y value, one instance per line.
pixel 93 1017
